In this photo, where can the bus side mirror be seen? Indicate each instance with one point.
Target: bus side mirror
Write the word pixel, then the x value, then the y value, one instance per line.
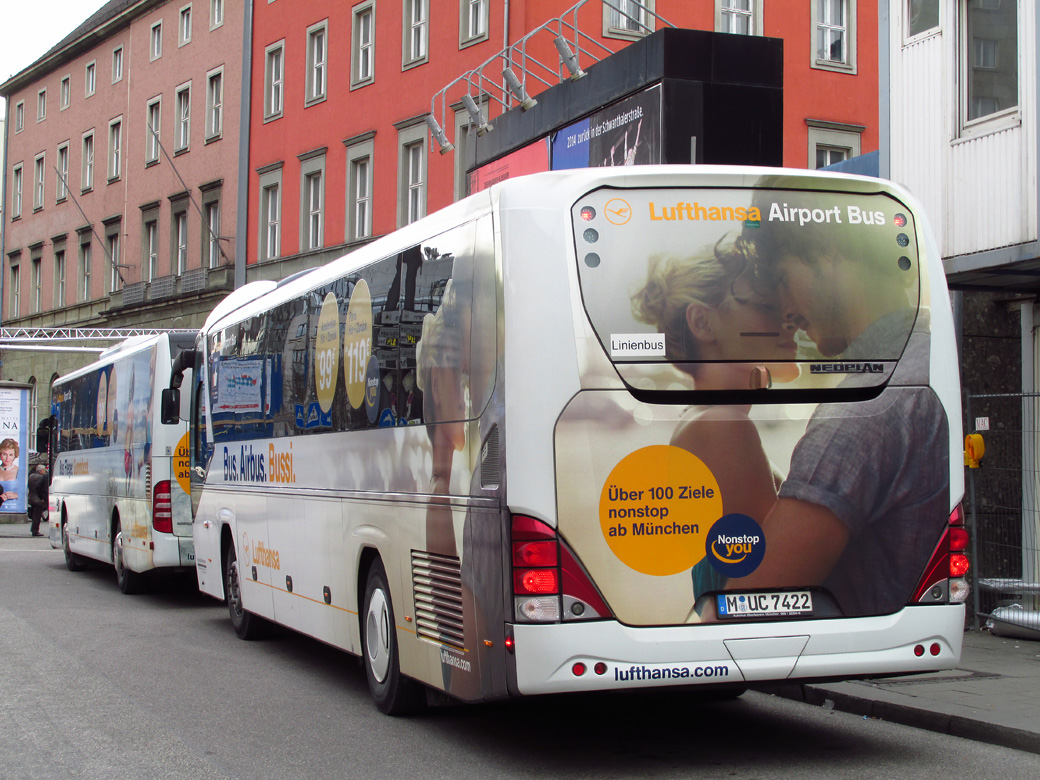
pixel 171 406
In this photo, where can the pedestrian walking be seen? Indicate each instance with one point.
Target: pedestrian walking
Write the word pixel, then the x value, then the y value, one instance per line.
pixel 38 497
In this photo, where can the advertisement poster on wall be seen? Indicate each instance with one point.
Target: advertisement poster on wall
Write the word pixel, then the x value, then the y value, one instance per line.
pixel 624 133
pixel 14 449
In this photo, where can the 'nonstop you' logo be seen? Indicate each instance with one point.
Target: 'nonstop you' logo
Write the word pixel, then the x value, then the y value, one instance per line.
pixel 735 545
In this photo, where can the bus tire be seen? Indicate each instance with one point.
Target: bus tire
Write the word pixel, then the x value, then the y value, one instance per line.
pixel 394 694
pixel 247 625
pixel 73 561
pixel 130 582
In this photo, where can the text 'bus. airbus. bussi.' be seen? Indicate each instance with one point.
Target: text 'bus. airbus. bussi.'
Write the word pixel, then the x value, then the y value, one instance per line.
pixel 602 429
pixel 119 481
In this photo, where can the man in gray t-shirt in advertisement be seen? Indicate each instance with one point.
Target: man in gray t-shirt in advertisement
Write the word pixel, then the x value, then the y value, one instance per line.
pixel 867 495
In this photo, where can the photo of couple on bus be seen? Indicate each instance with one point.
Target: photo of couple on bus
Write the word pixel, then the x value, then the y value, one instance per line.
pixel 857 514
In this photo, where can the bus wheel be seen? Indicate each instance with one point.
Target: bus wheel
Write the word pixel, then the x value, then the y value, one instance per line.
pixel 246 624
pixel 130 582
pixel 394 693
pixel 72 561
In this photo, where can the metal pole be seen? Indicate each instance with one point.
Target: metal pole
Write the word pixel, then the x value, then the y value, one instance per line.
pixel 974 532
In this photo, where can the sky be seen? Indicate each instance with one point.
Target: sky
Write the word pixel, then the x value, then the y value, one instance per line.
pixel 29 28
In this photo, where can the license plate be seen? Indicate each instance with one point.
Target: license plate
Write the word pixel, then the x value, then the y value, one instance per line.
pixel 785 604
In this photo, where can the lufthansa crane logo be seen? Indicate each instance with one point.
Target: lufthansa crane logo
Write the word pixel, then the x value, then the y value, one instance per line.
pixel 618 211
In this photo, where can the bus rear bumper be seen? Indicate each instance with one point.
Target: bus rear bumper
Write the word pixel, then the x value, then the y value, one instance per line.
pixel 606 654
pixel 173 552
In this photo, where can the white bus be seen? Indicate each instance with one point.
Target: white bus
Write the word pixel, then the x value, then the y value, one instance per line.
pixel 600 429
pixel 119 484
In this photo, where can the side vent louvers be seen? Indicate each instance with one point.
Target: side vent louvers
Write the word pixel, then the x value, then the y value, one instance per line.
pixel 490 466
pixel 437 592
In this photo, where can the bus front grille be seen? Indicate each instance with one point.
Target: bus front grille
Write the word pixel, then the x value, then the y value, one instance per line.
pixel 437 593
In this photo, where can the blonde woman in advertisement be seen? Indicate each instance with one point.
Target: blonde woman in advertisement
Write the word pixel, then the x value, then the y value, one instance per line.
pixel 719 324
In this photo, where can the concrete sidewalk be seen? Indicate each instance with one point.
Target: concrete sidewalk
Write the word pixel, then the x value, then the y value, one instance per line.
pixel 993 696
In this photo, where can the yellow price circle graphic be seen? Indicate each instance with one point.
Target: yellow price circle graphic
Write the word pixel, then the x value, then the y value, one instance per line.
pixel 182 464
pixel 326 352
pixel 357 342
pixel 656 508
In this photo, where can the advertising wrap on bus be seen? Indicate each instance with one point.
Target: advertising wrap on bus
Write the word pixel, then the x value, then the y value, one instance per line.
pixel 728 293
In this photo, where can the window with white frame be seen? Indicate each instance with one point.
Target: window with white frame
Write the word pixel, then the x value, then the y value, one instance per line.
pixel 834 35
pixel 60 276
pixel 61 183
pixel 274 80
pixel 184 27
pixel 115 149
pixel 150 247
pixel 216 14
pixel 37 285
pixel 739 17
pixel 411 180
pixel 41 105
pixel 270 216
pixel 182 134
pixel 85 269
pixel 16 191
pixel 312 200
pixel 65 93
pixel 363 51
pixel 90 78
pixel 39 169
pixel 117 64
pixel 211 237
pixel 416 32
pixel 628 19
pixel 832 142
pixel 180 238
pixel 473 21
pixel 990 54
pixel 360 152
pixel 114 248
pixel 317 62
pixel 19 116
pixel 86 176
pixel 214 104
pixel 153 124
pixel 15 299
pixel 155 50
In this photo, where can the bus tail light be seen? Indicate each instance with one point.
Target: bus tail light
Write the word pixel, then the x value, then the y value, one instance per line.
pixel 549 585
pixel 162 507
pixel 944 578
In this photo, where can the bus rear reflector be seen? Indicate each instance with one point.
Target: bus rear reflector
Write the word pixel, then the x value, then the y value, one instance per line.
pixel 162 507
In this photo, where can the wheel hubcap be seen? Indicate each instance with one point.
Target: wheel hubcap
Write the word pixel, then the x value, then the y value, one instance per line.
pixel 234 599
pixel 377 635
pixel 117 557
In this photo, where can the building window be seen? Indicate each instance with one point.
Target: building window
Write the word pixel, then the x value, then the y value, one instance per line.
pixel 473 21
pixel 183 133
pixel 211 236
pixel 216 14
pixel 150 245
pixel 39 169
pixel 628 19
pixel 317 61
pixel 363 45
pixel 113 247
pixel 214 104
pixel 61 185
pixel 416 32
pixel 152 127
pixel 155 52
pixel 16 191
pixel 274 79
pixel 312 200
pixel 990 54
pixel 19 116
pixel 359 188
pixel 832 142
pixel 84 269
pixel 739 17
pixel 60 274
pixel 270 216
pixel 180 238
pixel 16 294
pixel 115 148
pixel 834 35
pixel 86 178
pixel 922 16
pixel 184 28
pixel 41 105
pixel 37 285
pixel 117 64
pixel 90 79
pixel 65 94
pixel 411 179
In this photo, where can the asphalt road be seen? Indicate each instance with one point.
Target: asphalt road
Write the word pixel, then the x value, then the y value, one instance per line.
pixel 98 685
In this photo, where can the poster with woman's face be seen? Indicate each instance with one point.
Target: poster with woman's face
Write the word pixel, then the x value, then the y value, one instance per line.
pixel 14 440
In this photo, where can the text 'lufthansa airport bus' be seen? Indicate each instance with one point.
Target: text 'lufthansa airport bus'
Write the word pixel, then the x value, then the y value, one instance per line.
pixel 601 429
pixel 119 480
